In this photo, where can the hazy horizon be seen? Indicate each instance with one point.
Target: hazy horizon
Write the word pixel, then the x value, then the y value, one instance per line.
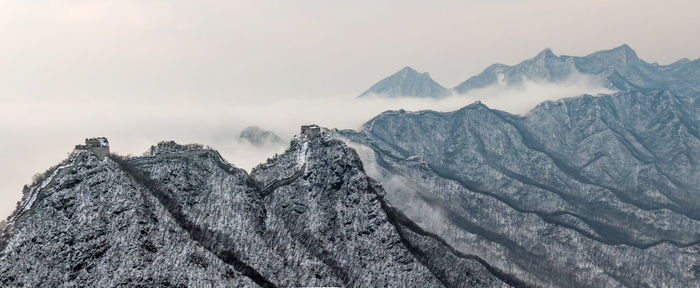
pixel 200 71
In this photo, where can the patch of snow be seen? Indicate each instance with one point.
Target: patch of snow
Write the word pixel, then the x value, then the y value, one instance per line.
pixel 501 78
pixel 301 155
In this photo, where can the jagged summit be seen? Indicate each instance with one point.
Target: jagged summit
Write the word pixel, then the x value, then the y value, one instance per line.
pixel 618 69
pixel 546 53
pixel 183 216
pixel 544 67
pixel 625 50
pixel 620 58
pixel 407 82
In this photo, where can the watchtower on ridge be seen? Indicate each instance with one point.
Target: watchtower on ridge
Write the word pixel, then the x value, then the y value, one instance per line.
pixel 97 145
pixel 310 130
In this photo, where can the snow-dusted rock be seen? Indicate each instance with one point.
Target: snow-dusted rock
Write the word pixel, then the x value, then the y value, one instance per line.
pixel 587 191
pixel 184 217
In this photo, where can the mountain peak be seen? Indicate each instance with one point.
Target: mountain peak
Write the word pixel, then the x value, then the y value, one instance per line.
pixel 407 82
pixel 408 69
pixel 260 137
pixel 546 66
pixel 546 53
pixel 623 47
pixel 626 50
pixel 170 219
pixel 622 52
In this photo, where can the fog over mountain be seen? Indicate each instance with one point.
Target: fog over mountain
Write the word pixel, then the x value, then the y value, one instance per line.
pixel 586 191
pixel 260 137
pixel 535 143
pixel 142 71
pixel 583 191
pixel 617 69
pixel 218 124
pixel 35 143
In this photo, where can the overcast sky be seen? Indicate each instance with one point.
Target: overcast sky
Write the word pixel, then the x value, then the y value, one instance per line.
pixel 139 71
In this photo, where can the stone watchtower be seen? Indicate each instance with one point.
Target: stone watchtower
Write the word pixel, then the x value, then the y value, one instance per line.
pixel 98 145
pixel 310 130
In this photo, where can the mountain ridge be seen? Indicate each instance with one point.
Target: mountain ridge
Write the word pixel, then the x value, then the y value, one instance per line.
pixel 630 156
pixel 618 68
pixel 190 195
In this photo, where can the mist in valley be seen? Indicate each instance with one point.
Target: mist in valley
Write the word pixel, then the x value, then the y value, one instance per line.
pixel 33 144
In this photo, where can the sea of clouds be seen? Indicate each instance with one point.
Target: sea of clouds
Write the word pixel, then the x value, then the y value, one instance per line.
pixel 38 134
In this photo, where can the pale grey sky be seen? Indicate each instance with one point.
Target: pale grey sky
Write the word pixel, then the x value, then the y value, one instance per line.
pixel 139 71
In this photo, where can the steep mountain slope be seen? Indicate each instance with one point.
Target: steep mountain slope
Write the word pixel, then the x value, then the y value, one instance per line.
pixel 407 83
pixel 618 68
pixel 92 224
pixel 545 67
pixel 587 191
pixel 184 217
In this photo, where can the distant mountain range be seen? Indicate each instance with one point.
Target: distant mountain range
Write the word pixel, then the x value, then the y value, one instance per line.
pixel 587 191
pixel 582 192
pixel 618 68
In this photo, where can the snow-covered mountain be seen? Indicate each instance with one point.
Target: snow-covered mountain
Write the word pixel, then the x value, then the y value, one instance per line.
pixel 588 191
pixel 581 192
pixel 407 83
pixel 184 217
pixel 619 69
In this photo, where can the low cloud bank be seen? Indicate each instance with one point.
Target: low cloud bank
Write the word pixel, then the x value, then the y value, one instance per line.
pixel 520 99
pixel 39 134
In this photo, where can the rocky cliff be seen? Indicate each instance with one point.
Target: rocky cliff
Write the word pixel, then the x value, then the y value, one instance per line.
pixel 183 216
